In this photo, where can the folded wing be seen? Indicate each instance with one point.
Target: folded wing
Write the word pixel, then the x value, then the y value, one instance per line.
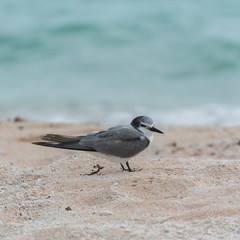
pixel 119 141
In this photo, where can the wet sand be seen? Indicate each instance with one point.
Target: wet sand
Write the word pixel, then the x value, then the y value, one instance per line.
pixel 188 188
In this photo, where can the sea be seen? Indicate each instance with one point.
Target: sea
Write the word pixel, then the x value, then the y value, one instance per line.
pixel 89 61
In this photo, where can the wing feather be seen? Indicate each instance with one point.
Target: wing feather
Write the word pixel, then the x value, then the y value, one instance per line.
pixel 120 141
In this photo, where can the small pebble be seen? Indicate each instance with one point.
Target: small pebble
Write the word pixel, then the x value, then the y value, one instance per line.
pixel 105 213
pixel 24 185
pixel 38 181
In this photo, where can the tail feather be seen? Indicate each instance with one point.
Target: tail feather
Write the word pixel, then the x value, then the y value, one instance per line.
pixel 61 138
pixel 71 146
pixel 65 142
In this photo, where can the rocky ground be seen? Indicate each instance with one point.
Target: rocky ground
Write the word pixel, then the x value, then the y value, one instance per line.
pixel 188 188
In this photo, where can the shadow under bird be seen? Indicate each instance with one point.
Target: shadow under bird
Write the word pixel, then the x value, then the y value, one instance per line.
pixel 117 144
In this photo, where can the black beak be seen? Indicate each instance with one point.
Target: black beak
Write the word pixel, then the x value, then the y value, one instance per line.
pixel 155 130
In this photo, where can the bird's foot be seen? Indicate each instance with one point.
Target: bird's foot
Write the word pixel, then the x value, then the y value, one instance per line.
pixel 123 168
pixel 130 169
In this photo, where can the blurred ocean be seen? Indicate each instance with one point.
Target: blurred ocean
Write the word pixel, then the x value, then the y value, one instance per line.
pixel 108 61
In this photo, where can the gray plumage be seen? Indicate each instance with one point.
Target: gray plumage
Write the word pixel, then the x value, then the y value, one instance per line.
pixel 122 141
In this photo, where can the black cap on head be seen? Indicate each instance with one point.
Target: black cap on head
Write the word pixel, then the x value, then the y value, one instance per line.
pixel 136 122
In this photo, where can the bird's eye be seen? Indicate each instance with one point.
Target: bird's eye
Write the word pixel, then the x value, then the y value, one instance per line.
pixel 143 125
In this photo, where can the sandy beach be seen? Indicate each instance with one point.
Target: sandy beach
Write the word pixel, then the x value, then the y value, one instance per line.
pixel 188 188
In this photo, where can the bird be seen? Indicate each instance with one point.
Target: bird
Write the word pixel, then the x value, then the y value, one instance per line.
pixel 117 144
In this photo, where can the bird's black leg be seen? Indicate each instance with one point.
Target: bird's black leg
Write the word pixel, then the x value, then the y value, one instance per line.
pixel 129 169
pixel 123 168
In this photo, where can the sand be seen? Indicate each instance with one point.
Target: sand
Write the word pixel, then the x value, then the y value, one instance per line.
pixel 188 188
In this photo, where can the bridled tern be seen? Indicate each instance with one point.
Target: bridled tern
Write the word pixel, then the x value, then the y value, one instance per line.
pixel 117 144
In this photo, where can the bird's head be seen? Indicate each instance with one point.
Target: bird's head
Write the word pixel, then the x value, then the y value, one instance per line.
pixel 144 124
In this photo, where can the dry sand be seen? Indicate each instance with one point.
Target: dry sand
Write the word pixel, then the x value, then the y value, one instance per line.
pixel 188 188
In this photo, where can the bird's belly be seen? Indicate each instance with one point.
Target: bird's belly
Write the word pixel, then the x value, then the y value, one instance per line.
pixel 110 158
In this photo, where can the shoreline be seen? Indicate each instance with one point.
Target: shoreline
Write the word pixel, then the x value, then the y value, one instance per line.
pixel 210 114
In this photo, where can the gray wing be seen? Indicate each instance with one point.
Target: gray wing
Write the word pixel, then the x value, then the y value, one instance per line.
pixel 119 141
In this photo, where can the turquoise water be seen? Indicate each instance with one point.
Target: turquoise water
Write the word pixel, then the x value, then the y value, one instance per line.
pixel 107 61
